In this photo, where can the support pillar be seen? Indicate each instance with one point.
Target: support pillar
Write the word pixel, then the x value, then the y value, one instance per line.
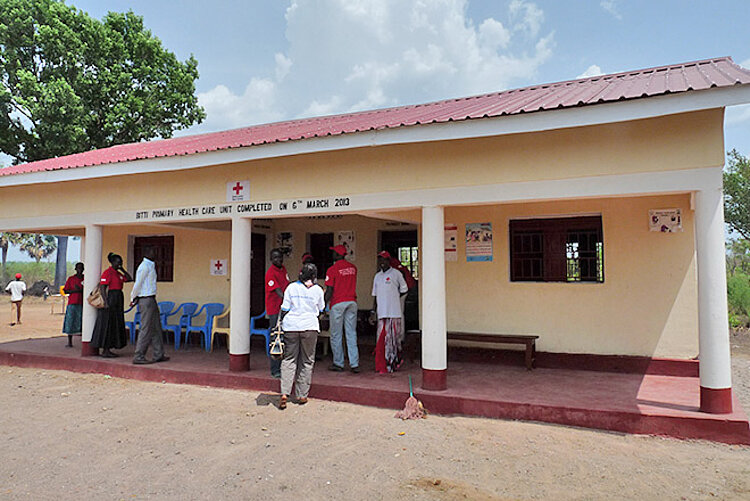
pixel 434 339
pixel 239 316
pixel 713 334
pixel 92 262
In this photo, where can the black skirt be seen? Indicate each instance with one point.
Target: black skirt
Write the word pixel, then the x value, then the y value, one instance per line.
pixel 109 330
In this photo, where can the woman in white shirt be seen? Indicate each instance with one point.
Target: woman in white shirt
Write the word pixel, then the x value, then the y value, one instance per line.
pixel 302 305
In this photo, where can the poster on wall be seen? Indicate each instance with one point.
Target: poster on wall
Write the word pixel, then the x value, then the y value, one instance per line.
pixel 665 220
pixel 218 267
pixel 451 242
pixel 478 242
pixel 346 238
pixel 285 242
pixel 238 191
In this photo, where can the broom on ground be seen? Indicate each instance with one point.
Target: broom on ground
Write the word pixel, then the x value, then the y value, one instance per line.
pixel 413 408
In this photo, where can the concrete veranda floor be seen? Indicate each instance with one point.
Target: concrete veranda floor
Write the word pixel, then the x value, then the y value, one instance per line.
pixel 625 402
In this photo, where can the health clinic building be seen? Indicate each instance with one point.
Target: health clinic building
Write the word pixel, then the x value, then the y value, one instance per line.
pixel 588 212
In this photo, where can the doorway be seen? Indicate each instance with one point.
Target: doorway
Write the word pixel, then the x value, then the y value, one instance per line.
pixel 404 246
pixel 257 273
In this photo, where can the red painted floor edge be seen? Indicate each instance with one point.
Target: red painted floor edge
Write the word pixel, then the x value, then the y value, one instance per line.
pixel 730 431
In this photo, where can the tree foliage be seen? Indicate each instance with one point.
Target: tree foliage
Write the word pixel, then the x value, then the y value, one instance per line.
pixel 71 83
pixel 737 194
pixel 36 245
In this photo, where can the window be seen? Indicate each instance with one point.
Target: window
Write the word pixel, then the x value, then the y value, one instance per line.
pixel 163 247
pixel 557 250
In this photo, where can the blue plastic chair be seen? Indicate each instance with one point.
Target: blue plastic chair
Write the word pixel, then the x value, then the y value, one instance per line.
pixel 212 310
pixel 135 323
pixel 260 331
pixel 165 307
pixel 186 312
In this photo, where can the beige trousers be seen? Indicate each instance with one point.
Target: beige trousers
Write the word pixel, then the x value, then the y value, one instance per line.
pixel 298 362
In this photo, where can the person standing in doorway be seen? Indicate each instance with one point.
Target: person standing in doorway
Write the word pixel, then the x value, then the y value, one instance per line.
pixel 411 283
pixel 16 288
pixel 74 312
pixel 341 294
pixel 144 294
pixel 277 280
pixel 387 288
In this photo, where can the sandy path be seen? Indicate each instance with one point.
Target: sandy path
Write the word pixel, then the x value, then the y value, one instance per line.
pixel 78 436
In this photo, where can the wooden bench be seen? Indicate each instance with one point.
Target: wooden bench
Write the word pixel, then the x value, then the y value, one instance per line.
pixel 528 340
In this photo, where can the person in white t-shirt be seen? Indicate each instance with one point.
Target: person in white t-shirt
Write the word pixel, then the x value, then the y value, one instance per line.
pixel 387 288
pixel 16 289
pixel 302 305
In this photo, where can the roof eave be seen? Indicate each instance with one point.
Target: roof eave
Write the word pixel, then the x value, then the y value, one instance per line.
pixel 620 111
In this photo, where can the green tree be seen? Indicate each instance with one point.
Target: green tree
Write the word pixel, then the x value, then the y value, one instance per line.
pixel 36 245
pixel 738 256
pixel 71 83
pixel 737 194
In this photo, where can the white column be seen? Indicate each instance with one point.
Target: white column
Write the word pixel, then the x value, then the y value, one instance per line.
pixel 715 360
pixel 239 317
pixel 434 343
pixel 92 262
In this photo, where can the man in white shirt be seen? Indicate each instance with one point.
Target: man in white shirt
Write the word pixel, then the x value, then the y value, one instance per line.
pixel 387 288
pixel 16 289
pixel 144 293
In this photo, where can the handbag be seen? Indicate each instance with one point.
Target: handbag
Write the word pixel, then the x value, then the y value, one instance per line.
pixel 276 346
pixel 98 297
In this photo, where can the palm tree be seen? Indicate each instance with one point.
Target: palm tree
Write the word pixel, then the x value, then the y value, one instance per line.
pixel 36 245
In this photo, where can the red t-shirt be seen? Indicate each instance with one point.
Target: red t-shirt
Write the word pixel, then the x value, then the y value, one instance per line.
pixel 73 282
pixel 113 278
pixel 275 278
pixel 342 276
pixel 408 277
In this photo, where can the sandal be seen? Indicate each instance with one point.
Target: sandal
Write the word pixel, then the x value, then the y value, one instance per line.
pixel 282 402
pixel 302 401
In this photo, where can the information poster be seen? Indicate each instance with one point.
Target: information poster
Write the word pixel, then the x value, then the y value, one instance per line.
pixel 478 242
pixel 451 242
pixel 665 220
pixel 218 267
pixel 346 238
pixel 285 242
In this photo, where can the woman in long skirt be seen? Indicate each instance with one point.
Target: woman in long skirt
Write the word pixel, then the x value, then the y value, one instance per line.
pixel 74 312
pixel 109 330
pixel 302 305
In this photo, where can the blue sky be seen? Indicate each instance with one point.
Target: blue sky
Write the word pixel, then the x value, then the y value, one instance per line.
pixel 269 60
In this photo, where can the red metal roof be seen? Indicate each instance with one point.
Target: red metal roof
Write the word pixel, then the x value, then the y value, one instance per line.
pixel 693 76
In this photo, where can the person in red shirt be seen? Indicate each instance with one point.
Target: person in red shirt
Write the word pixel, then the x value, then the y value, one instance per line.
pixel 74 312
pixel 109 329
pixel 277 280
pixel 341 293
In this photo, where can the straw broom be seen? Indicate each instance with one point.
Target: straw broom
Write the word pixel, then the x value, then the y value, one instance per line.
pixel 413 408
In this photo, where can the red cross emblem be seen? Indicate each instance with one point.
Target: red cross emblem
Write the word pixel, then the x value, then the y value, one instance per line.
pixel 218 265
pixel 238 188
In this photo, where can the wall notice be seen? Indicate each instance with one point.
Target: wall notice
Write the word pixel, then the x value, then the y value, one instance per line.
pixel 285 242
pixel 451 242
pixel 346 238
pixel 665 220
pixel 218 267
pixel 238 191
pixel 478 242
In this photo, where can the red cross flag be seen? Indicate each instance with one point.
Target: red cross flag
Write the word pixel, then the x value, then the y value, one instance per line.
pixel 218 267
pixel 238 191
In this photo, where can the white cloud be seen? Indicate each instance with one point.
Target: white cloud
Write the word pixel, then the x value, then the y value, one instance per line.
pixel 737 114
pixel 591 71
pixel 349 55
pixel 745 63
pixel 611 7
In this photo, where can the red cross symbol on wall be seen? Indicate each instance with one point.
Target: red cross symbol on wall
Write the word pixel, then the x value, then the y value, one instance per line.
pixel 238 188
pixel 218 265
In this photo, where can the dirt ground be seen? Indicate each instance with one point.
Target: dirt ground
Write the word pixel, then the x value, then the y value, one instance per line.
pixel 86 436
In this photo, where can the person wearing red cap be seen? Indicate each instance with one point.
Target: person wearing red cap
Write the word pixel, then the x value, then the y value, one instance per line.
pixel 341 293
pixel 16 288
pixel 387 288
pixel 277 280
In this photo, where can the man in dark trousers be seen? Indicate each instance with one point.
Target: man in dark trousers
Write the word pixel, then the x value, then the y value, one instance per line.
pixel 144 293
pixel 276 281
